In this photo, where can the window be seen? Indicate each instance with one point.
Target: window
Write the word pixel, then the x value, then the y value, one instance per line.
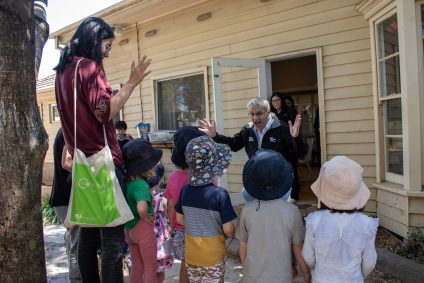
pixel 389 89
pixel 54 114
pixel 180 100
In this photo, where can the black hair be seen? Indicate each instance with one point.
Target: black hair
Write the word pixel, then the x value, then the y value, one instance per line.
pixel 288 97
pixel 281 96
pixel 324 207
pixel 86 42
pixel 121 125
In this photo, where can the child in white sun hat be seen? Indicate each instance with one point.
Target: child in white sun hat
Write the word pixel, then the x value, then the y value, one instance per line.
pixel 340 240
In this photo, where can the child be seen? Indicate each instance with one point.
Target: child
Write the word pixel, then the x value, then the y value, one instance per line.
pixel 270 229
pixel 121 133
pixel 206 210
pixel 339 242
pixel 163 236
pixel 176 181
pixel 139 158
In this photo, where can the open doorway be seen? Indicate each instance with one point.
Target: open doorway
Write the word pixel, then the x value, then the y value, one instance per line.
pixel 296 79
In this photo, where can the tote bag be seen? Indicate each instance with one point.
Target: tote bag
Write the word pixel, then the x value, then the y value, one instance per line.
pixel 96 196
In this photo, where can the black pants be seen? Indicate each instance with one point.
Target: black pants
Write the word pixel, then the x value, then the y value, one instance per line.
pixel 295 186
pixel 111 241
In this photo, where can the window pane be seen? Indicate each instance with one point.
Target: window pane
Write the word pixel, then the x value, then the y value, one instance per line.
pixel 393 114
pixel 388 42
pixel 395 155
pixel 389 76
pixel 181 102
pixel 54 113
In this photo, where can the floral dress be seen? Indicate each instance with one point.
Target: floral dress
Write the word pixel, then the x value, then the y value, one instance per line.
pixel 163 236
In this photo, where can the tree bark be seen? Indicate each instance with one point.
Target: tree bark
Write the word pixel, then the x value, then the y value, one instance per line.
pixel 23 145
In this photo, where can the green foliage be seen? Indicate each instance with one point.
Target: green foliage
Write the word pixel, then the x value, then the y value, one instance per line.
pixel 49 217
pixel 413 246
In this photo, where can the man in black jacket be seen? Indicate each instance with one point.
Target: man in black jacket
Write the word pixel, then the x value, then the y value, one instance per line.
pixel 264 131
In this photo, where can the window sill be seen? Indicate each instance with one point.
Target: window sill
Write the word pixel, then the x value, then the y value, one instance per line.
pixel 398 189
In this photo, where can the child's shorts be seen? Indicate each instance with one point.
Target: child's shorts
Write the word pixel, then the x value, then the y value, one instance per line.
pixel 178 243
pixel 209 274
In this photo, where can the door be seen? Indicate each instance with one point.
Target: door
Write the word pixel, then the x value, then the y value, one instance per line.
pixel 235 82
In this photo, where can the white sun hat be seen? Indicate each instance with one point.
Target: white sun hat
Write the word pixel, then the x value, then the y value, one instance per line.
pixel 340 185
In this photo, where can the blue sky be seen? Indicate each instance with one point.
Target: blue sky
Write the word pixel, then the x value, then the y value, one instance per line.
pixel 61 13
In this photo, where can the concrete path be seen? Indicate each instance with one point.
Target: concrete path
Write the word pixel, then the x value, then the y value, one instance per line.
pixel 57 267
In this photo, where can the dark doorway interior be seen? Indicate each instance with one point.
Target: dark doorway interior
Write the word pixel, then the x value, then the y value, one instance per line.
pixel 297 78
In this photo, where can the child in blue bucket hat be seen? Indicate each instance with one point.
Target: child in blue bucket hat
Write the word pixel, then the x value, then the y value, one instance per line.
pixel 270 229
pixel 206 210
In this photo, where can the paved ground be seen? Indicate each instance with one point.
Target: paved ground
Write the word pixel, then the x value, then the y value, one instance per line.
pixel 57 261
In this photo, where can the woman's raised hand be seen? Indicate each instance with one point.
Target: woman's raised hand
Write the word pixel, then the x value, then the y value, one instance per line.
pixel 294 129
pixel 139 71
pixel 207 127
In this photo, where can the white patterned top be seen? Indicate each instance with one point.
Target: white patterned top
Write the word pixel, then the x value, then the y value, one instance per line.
pixel 340 247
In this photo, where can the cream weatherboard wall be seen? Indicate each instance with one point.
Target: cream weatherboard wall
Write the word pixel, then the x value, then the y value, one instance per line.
pixel 253 29
pixel 45 99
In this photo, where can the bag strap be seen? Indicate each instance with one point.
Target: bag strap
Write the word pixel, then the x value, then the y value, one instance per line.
pixel 75 107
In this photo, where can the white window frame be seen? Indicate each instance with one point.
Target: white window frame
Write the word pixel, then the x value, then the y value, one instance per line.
pixel 420 74
pixel 389 176
pixel 411 89
pixel 175 75
pixel 52 118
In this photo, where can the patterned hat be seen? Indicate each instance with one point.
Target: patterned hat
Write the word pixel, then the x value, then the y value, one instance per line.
pixel 206 160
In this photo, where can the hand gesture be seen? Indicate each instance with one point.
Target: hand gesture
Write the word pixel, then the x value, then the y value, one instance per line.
pixel 294 129
pixel 139 72
pixel 207 127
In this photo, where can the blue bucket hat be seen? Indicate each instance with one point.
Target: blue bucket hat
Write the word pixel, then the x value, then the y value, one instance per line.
pixel 267 175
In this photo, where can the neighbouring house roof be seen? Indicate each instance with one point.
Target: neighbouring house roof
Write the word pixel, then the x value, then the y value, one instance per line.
pixel 47 82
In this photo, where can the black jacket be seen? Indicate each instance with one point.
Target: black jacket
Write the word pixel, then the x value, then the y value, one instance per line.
pixel 61 188
pixel 278 138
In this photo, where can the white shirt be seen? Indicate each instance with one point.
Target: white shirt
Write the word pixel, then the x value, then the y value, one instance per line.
pixel 260 134
pixel 339 247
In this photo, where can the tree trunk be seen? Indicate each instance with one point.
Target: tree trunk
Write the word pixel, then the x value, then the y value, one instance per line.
pixel 23 145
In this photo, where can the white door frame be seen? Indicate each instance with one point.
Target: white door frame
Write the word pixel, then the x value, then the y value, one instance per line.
pixel 264 71
pixel 320 88
pixel 263 83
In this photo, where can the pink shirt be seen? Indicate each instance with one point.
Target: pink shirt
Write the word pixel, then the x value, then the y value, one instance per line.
pixel 176 182
pixel 93 109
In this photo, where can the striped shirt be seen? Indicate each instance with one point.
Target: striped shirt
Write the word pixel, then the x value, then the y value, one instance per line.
pixel 206 209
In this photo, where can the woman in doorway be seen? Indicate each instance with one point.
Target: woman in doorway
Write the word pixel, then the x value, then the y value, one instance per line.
pixel 277 100
pixel 289 111
pixel 280 107
pixel 96 105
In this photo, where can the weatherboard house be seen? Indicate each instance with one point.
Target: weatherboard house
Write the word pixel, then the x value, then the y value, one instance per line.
pixel 358 65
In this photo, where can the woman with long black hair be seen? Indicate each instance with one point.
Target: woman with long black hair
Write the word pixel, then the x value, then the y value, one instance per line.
pixel 96 106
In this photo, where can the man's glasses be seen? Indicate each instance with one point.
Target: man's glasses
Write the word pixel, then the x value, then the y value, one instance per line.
pixel 257 114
